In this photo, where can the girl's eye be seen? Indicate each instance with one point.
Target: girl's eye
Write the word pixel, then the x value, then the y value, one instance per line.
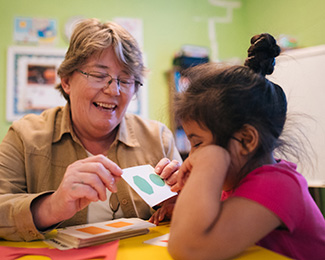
pixel 197 144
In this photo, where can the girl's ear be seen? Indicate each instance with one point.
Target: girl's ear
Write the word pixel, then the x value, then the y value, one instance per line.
pixel 65 83
pixel 249 138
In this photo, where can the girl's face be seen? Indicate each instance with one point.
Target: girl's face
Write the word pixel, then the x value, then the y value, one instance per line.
pixel 200 137
pixel 197 135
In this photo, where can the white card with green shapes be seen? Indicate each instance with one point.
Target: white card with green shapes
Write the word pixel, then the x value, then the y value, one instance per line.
pixel 150 187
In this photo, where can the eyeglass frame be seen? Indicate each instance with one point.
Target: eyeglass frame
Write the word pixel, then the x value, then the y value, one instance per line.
pixel 121 88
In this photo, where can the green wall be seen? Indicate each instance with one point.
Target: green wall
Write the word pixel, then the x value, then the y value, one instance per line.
pixel 300 18
pixel 167 25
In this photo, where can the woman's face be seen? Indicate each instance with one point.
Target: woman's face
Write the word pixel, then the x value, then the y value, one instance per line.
pixel 96 112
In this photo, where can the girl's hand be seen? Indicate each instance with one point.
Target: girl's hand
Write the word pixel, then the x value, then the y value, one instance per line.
pixel 164 212
pixel 183 174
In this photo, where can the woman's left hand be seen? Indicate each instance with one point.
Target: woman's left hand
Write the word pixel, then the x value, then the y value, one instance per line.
pixel 168 170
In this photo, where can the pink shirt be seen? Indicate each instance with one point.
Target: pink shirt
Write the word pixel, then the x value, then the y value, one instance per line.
pixel 284 191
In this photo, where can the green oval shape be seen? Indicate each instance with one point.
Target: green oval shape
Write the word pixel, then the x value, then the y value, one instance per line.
pixel 156 179
pixel 142 184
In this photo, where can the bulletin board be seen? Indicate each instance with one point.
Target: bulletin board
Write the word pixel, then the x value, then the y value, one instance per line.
pixel 300 73
pixel 31 78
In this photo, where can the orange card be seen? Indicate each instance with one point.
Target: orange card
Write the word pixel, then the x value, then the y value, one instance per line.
pixel 119 224
pixel 93 230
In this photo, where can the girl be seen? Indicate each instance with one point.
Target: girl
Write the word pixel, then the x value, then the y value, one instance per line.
pixel 233 117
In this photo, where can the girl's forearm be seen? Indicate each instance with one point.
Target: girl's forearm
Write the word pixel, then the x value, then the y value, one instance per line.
pixel 198 205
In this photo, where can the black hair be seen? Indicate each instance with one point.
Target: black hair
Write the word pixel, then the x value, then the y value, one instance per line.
pixel 225 98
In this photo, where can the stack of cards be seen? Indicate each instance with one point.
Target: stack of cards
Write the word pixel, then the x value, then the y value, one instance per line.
pixel 98 233
pixel 151 188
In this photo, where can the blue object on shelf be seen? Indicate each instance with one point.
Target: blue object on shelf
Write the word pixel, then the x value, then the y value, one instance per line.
pixel 186 62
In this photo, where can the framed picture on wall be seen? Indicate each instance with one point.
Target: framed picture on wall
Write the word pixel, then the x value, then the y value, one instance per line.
pixel 32 77
pixel 31 80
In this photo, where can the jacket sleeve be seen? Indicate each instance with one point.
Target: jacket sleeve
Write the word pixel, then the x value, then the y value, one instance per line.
pixel 15 215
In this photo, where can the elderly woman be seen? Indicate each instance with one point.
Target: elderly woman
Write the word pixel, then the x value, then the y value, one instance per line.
pixel 63 167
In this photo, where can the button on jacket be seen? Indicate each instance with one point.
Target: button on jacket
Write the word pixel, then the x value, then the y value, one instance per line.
pixel 37 149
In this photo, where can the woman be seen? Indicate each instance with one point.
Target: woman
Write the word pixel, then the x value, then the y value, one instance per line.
pixel 63 167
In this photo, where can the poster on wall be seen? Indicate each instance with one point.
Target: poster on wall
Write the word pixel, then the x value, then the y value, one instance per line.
pixel 36 31
pixel 31 80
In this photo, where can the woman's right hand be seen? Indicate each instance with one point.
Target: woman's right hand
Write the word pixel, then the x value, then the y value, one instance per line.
pixel 84 181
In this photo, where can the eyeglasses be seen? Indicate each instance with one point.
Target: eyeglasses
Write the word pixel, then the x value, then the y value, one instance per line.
pixel 114 203
pixel 100 80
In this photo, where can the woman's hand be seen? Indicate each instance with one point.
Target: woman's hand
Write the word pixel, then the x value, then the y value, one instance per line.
pixel 84 181
pixel 168 170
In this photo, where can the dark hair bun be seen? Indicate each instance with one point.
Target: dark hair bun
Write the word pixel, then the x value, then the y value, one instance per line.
pixel 262 53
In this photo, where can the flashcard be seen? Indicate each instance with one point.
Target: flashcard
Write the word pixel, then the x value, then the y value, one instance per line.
pixel 158 241
pixel 150 187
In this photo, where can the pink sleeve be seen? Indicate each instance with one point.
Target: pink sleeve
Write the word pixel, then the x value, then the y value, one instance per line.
pixel 277 190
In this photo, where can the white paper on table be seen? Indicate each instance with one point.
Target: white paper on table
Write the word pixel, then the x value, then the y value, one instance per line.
pixel 159 241
pixel 150 187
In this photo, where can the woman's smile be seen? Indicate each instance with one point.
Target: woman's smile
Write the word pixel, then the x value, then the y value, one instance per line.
pixel 105 106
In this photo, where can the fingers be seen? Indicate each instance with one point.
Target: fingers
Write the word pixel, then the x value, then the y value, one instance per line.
pixel 87 191
pixel 172 180
pixel 158 216
pixel 176 188
pixel 108 171
pixel 96 173
pixel 161 165
pixel 111 166
pixel 179 184
pixel 84 181
pixel 182 176
pixel 164 212
pixel 167 168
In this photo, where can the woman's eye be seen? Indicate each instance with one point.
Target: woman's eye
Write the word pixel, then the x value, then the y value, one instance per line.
pixel 126 81
pixel 99 76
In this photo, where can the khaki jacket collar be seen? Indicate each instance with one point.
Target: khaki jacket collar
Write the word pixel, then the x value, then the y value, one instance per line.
pixel 126 133
pixel 63 125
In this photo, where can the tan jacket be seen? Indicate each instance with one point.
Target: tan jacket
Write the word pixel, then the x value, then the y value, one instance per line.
pixel 37 150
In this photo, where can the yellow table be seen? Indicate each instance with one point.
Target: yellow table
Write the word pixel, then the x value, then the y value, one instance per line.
pixel 133 248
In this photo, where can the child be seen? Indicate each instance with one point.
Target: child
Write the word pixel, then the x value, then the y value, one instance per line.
pixel 233 117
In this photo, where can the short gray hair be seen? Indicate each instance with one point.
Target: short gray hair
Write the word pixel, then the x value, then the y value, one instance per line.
pixel 91 36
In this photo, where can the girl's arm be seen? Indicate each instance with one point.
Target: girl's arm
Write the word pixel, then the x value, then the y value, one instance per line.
pixel 202 226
